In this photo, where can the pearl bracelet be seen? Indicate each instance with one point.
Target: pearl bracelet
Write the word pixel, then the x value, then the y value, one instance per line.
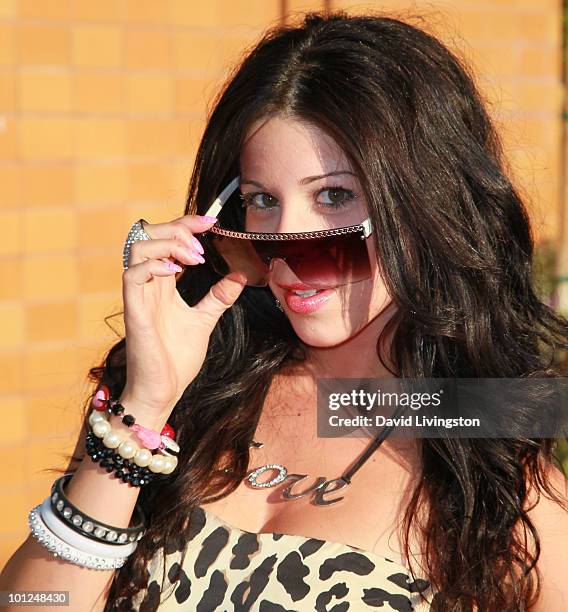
pixel 164 441
pixel 60 548
pixel 123 469
pixel 127 449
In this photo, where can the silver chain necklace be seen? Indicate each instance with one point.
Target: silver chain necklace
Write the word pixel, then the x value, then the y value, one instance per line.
pixel 322 486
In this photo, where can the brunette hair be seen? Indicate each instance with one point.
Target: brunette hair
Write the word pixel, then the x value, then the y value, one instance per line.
pixel 456 250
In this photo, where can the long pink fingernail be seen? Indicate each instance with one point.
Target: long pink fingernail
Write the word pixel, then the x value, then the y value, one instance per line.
pixel 173 266
pixel 207 218
pixel 196 256
pixel 197 245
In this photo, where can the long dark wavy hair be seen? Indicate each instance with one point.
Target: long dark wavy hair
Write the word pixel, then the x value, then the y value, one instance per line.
pixel 456 251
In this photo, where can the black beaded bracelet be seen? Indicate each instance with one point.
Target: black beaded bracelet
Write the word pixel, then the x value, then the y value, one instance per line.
pixel 117 408
pixel 127 419
pixel 111 461
pixel 89 527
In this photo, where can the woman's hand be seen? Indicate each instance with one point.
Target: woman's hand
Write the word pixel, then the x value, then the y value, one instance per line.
pixel 166 340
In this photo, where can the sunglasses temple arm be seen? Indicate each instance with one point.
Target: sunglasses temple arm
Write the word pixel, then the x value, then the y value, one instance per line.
pixel 367 227
pixel 220 200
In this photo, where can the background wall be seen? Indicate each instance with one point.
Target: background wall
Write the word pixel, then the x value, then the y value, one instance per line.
pixel 101 107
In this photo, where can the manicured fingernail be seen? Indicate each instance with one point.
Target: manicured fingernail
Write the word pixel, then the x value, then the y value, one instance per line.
pixel 207 218
pixel 196 256
pixel 197 245
pixel 173 266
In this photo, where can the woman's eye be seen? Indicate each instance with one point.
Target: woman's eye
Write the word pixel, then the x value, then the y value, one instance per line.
pixel 255 199
pixel 337 196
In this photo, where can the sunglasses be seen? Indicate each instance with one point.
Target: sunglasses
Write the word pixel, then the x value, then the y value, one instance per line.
pixel 320 259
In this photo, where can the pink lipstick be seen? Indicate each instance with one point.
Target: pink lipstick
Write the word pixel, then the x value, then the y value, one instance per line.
pixel 307 304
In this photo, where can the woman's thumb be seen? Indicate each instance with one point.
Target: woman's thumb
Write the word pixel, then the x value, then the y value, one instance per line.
pixel 221 295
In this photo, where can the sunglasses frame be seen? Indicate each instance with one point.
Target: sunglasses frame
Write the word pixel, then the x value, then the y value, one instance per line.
pixel 365 226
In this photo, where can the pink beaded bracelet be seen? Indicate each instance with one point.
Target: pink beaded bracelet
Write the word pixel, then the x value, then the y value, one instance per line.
pixel 150 438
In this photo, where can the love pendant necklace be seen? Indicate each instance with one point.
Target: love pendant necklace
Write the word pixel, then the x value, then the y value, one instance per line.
pixel 322 486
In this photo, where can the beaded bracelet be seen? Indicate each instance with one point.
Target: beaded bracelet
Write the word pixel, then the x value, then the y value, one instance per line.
pixel 164 441
pixel 88 526
pixel 151 439
pixel 127 449
pixel 124 469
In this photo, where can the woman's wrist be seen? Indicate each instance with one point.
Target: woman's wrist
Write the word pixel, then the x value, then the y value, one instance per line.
pixel 148 416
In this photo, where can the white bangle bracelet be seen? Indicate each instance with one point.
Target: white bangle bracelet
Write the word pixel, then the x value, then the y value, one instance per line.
pixel 82 543
pixel 59 548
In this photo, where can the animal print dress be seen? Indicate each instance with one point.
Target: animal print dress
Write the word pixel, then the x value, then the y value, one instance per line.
pixel 228 569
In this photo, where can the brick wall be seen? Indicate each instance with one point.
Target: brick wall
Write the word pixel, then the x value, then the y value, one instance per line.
pixel 101 106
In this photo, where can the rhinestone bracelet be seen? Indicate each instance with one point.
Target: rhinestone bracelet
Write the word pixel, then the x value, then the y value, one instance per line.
pixel 59 548
pixel 88 526
pixel 136 232
pixel 70 536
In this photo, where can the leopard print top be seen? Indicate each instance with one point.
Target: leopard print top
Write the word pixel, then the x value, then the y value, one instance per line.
pixel 226 568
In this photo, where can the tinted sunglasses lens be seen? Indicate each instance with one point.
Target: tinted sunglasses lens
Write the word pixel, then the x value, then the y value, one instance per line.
pixel 230 254
pixel 329 260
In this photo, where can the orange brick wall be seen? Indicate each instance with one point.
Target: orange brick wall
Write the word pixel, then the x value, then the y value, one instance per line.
pixel 101 106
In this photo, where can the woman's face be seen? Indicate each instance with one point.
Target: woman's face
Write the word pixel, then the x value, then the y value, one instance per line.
pixel 275 164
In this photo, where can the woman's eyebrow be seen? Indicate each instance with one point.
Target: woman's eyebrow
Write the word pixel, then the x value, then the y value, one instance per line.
pixel 304 181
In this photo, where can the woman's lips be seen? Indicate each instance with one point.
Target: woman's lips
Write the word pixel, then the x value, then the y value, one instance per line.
pixel 307 305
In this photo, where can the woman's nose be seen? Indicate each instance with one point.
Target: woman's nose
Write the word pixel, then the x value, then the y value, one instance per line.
pixel 296 219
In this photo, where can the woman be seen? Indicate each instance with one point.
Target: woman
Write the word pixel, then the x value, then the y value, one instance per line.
pixel 340 122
